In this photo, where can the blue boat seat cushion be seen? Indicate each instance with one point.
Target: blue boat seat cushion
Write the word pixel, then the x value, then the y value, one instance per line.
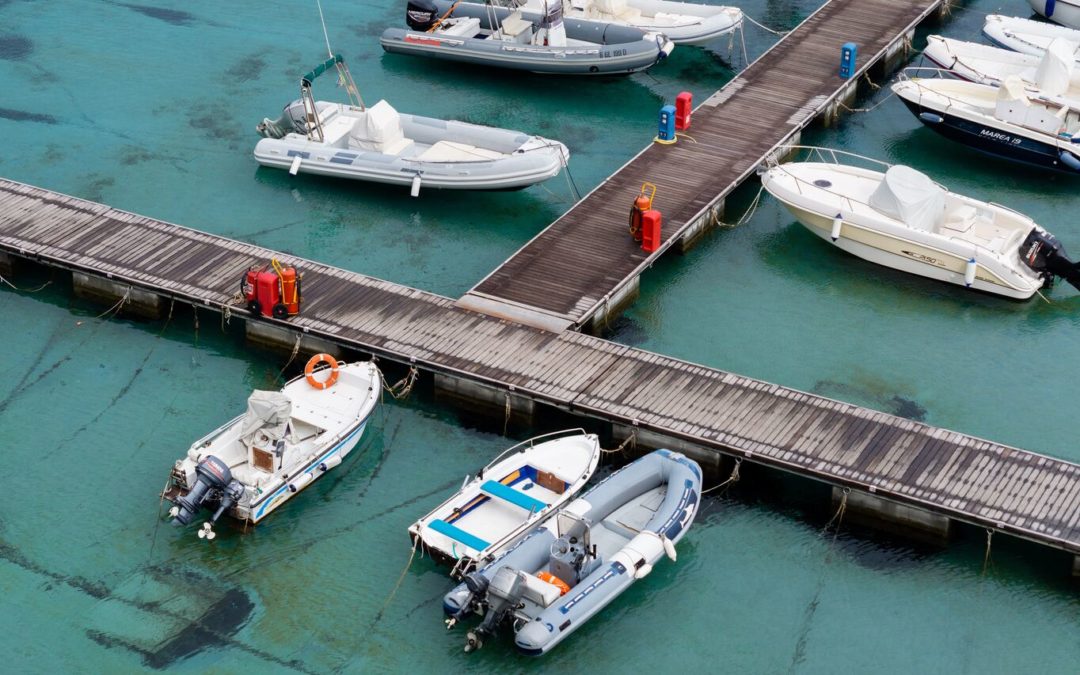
pixel 457 534
pixel 509 494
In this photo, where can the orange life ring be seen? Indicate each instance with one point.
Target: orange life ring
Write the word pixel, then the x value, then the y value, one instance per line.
pixel 309 371
pixel 550 578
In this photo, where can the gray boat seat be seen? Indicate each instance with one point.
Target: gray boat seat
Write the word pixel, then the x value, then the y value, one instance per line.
pixel 540 592
pixel 465 27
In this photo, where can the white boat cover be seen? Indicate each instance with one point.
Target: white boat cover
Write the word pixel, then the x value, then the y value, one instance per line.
pixel 1055 69
pixel 910 197
pixel 378 129
pixel 267 415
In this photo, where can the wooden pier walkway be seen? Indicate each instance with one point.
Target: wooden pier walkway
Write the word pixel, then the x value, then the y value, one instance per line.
pixel 585 262
pixel 943 472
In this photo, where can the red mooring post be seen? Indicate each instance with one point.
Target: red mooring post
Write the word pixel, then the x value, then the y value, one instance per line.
pixel 650 230
pixel 684 105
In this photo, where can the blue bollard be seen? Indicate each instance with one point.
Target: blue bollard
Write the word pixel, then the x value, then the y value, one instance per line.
pixel 667 123
pixel 847 59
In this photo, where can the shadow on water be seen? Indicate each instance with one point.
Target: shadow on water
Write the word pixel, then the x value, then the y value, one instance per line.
pixel 175 17
pixel 15 47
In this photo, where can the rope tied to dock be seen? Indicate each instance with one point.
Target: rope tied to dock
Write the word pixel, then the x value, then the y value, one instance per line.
pixel 506 417
pixel 25 290
pixel 987 562
pixel 402 388
pixel 838 517
pixel 733 478
pixel 630 441
pixel 764 27
pixel 115 309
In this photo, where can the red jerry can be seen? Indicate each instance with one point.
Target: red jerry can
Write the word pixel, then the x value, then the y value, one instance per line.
pixel 267 292
pixel 684 105
pixel 650 230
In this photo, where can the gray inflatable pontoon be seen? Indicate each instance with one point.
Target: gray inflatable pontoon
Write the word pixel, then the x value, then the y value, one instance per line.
pixel 576 563
pixel 522 40
pixel 377 143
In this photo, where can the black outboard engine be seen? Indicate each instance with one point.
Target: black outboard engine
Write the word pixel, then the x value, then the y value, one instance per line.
pixel 213 484
pixel 503 597
pixel 1042 252
pixel 421 15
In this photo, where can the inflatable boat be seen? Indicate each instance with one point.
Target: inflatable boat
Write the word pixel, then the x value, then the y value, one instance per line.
pixel 1024 35
pixel 569 569
pixel 523 40
pixel 683 23
pixel 377 143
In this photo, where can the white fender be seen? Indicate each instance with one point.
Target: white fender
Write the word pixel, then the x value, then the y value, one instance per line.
pixel 414 191
pixel 330 462
pixel 295 165
pixel 969 272
pixel 837 223
pixel 301 481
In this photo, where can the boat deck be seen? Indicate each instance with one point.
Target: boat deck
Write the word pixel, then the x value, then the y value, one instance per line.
pixel 586 259
pixel 948 473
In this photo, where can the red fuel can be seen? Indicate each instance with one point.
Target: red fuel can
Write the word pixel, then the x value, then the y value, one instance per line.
pixel 650 230
pixel 684 105
pixel 267 292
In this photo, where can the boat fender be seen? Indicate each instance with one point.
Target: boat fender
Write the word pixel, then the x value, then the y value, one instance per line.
pixel 1070 160
pixel 301 482
pixel 309 371
pixel 550 578
pixel 931 118
pixel 643 570
pixel 329 463
pixel 414 191
pixel 969 272
pixel 295 166
pixel 837 223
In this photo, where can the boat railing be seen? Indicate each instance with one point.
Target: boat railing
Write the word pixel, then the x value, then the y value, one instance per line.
pixel 825 155
pixel 550 436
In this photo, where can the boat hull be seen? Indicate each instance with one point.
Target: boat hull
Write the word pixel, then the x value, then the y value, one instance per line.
pixel 612 50
pixel 906 256
pixel 1064 12
pixel 1014 147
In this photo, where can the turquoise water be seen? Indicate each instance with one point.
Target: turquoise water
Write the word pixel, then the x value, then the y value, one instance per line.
pixel 153 111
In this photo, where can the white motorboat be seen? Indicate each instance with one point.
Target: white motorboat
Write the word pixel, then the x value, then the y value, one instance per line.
pixel 377 143
pixel 1024 35
pixel 1034 124
pixel 900 218
pixel 508 498
pixel 287 439
pixel 684 23
pixel 984 64
pixel 1065 12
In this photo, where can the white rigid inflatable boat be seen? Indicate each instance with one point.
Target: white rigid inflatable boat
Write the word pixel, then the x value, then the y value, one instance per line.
pixel 251 465
pixel 984 64
pixel 377 143
pixel 581 560
pixel 1024 35
pixel 507 499
pixel 902 219
pixel 1064 12
pixel 684 23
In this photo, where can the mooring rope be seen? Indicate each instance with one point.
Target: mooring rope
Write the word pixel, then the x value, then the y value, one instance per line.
pixel 402 388
pixel 986 557
pixel 506 418
pixel 764 27
pixel 117 306
pixel 733 478
pixel 401 578
pixel 838 517
pixel 295 351
pixel 25 290
pixel 630 441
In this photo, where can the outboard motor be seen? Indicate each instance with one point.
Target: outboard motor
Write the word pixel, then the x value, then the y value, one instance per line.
pixel 421 15
pixel 503 597
pixel 1042 252
pixel 213 483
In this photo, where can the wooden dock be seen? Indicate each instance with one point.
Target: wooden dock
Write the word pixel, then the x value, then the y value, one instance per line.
pixel 893 462
pixel 585 265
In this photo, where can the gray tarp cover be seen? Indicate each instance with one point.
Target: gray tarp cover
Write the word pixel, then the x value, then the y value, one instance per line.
pixel 267 411
pixel 909 196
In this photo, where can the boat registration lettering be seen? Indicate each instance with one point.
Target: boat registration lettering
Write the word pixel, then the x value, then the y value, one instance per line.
pixel 614 52
pixel 998 136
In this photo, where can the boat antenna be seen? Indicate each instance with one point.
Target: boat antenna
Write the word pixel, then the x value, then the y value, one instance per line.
pixel 329 52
